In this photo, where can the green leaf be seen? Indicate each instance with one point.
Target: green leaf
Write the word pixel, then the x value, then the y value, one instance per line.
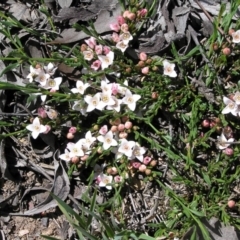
pixel 146 237
pixel 49 238
pixel 10 67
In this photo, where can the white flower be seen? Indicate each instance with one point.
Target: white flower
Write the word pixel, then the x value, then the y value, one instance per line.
pixel 89 139
pixel 126 147
pixel 106 99
pixel 223 142
pixel 33 73
pixel 107 140
pixel 130 100
pixel 53 83
pixel 42 78
pixel 236 98
pixel 116 106
pixel 105 180
pixel 94 102
pixel 236 36
pixel 36 128
pixel 81 87
pixel 65 156
pixel 168 69
pixel 106 60
pixel 105 86
pixel 80 106
pixel 126 37
pixel 122 46
pixel 231 107
pixel 138 152
pixel 75 149
pixel 50 69
pixel 88 55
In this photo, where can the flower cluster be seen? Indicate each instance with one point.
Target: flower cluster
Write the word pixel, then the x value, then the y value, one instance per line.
pixel 97 54
pixel 112 96
pixel 44 76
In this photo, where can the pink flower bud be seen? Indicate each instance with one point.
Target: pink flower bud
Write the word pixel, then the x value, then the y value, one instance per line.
pixel 136 164
pixel 143 56
pixel 115 37
pixel 72 130
pixel 121 127
pixel 147 160
pixel 206 123
pixel 226 51
pixel 115 27
pixel 84 158
pixel 124 28
pixel 114 89
pixel 118 179
pixel 228 151
pixel 126 13
pixel 96 65
pixel 106 50
pixel 142 12
pixel 142 168
pixel 121 20
pixel 70 136
pixel 103 130
pixel 114 171
pixel 131 16
pixel 53 90
pixel 145 70
pixel 48 128
pixel 123 135
pixel 91 42
pixel 98 49
pixel 114 128
pixel 128 125
pixel 231 203
pixel 75 160
pixel 42 113
pixel 117 121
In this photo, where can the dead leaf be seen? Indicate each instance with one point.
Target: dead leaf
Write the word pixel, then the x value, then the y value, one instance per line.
pixel 65 3
pixel 60 188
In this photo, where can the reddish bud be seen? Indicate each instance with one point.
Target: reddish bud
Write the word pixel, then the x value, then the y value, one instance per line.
pixel 83 47
pixel 231 203
pixel 75 160
pixel 131 16
pixel 114 128
pixel 70 136
pixel 231 31
pixel 148 172
pixel 228 151
pixel 142 168
pixel 121 127
pixel 154 95
pixel 145 70
pixel 72 130
pixel 226 51
pixel 206 123
pixel 143 56
pixel 153 163
pixel 128 125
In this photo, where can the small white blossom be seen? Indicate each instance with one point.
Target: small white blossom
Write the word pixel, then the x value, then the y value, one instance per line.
pixel 88 55
pixel 130 100
pixel 33 73
pixel 53 84
pixel 50 69
pixel 236 36
pixel 126 147
pixel 105 180
pixel 231 107
pixel 36 128
pixel 80 106
pixel 107 140
pixel 94 102
pixel 223 142
pixel 106 99
pixel 65 156
pixel 42 78
pixel 116 106
pixel 236 98
pixel 106 60
pixel 75 149
pixel 168 69
pixel 138 152
pixel 80 87
pixel 106 86
pixel 122 46
pixel 89 139
pixel 126 37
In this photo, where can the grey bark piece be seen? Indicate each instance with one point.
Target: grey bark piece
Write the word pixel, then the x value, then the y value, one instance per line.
pixel 180 17
pixel 65 3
